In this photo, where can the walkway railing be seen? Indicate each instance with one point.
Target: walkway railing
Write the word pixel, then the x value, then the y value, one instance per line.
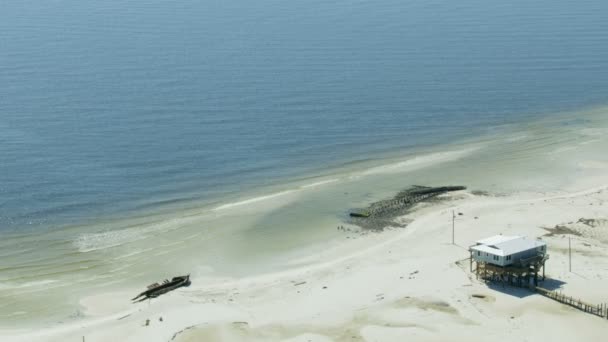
pixel 600 310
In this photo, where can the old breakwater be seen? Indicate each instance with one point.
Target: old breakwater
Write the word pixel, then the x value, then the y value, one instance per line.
pixel 379 215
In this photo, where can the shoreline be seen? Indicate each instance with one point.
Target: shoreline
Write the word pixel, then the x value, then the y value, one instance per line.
pixel 294 228
pixel 265 301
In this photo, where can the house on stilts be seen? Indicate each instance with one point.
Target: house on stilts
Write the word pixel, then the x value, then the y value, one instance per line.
pixel 516 260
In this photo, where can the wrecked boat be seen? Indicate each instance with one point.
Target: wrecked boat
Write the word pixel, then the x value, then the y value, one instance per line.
pixel 156 289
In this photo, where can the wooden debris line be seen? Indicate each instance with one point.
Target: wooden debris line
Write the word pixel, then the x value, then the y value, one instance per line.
pixel 600 310
pixel 409 197
pixel 378 214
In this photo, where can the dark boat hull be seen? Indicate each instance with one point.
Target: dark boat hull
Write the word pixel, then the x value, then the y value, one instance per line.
pixel 161 289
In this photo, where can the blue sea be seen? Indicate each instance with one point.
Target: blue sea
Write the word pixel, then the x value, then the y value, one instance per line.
pixel 124 122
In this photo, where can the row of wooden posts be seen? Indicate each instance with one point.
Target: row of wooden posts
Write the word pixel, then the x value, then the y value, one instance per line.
pixel 384 206
pixel 600 310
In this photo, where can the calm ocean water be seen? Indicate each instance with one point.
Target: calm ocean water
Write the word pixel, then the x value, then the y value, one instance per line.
pixel 110 107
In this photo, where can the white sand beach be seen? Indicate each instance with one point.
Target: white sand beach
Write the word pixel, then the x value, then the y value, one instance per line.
pixel 402 284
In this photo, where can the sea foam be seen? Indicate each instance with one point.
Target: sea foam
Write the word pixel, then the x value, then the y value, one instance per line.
pixel 89 242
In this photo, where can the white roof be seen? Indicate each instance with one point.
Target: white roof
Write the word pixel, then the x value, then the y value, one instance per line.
pixel 496 239
pixel 506 245
pixel 487 249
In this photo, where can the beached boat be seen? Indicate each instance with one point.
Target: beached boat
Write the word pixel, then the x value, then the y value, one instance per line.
pixel 156 289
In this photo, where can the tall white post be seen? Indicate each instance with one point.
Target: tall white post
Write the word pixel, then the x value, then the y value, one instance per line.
pixel 453 222
pixel 570 254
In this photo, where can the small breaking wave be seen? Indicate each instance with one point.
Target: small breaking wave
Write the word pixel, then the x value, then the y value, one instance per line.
pixel 317 184
pixel 113 238
pixel 252 200
pixel 7 286
pixel 273 196
pixel 95 241
pixel 419 162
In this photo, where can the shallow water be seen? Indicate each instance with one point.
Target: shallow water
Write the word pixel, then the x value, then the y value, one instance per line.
pixel 140 139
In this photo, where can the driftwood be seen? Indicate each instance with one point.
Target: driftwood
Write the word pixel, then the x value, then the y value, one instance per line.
pixel 157 289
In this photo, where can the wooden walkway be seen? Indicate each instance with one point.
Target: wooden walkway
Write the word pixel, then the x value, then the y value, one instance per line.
pixel 600 310
pixel 522 277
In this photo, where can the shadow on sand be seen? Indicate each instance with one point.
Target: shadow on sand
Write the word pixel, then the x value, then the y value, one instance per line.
pixel 551 284
pixel 522 292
